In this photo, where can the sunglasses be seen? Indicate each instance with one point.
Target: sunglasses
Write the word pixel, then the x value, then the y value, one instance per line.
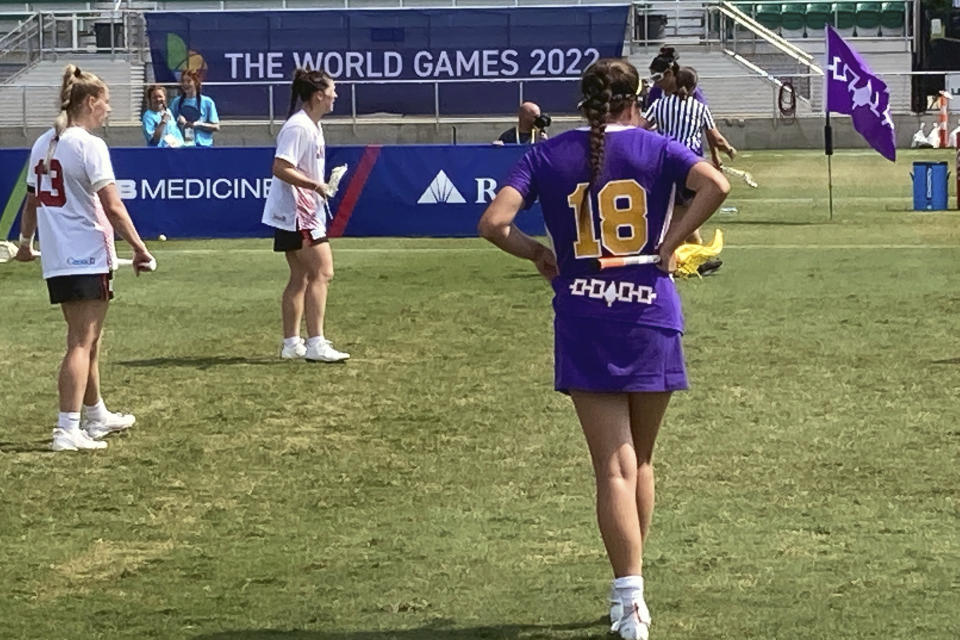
pixel 656 77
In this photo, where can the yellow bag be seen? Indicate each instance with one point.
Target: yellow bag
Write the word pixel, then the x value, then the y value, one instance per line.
pixel 690 256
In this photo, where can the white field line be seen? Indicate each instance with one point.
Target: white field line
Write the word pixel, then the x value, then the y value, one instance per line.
pixel 845 247
pixel 906 200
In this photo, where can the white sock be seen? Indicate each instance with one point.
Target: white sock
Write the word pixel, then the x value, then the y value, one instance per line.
pixel 313 341
pixel 289 343
pixel 69 420
pixel 96 411
pixel 629 588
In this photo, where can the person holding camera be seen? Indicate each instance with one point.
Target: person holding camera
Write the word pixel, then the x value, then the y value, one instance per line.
pixel 531 126
pixel 158 124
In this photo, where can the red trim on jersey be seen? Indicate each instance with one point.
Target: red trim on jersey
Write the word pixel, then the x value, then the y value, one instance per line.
pixel 306 208
pixel 352 193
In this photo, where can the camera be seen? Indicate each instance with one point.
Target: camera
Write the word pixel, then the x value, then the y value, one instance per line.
pixel 543 121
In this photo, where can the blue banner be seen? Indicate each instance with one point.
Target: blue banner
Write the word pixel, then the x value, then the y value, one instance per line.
pixel 219 192
pixel 364 50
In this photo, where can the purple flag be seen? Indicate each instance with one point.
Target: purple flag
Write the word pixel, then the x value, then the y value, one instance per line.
pixel 852 88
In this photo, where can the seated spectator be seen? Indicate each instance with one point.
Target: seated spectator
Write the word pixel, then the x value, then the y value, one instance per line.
pixel 196 113
pixel 526 131
pixel 159 126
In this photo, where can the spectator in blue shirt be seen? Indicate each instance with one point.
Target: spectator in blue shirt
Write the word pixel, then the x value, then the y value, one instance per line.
pixel 159 126
pixel 196 113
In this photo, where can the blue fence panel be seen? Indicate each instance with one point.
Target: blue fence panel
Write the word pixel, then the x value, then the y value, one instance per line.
pixel 219 192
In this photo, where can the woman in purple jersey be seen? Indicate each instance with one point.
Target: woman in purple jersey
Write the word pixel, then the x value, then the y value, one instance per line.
pixel 663 76
pixel 607 192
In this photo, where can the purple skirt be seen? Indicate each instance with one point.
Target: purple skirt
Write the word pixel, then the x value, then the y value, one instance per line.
pixel 606 355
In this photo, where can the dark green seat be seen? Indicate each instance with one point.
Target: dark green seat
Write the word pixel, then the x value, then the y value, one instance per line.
pixel 793 19
pixel 818 15
pixel 892 18
pixel 768 15
pixel 868 19
pixel 746 7
pixel 845 17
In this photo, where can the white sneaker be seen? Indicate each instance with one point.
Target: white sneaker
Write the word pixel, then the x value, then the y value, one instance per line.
pixel 295 352
pixel 74 439
pixel 634 623
pixel 323 351
pixel 114 422
pixel 616 610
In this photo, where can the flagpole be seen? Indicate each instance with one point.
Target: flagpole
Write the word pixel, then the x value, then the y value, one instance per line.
pixel 828 149
pixel 827 131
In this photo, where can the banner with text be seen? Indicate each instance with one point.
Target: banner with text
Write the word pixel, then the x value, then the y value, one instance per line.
pixel 219 192
pixel 392 57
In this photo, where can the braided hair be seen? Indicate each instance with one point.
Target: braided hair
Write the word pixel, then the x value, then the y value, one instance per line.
pixel 305 84
pixel 686 82
pixel 76 87
pixel 609 87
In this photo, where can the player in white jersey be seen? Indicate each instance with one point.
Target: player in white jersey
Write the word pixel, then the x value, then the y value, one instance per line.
pixel 72 197
pixel 296 208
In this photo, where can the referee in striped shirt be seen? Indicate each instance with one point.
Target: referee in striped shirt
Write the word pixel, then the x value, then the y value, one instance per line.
pixel 685 119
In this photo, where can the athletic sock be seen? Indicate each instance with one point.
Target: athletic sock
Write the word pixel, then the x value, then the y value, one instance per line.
pixel 629 588
pixel 313 341
pixel 68 420
pixel 289 343
pixel 96 412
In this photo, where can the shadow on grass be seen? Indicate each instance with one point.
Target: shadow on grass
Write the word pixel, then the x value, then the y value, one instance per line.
pixel 946 361
pixel 205 362
pixel 437 631
pixel 36 446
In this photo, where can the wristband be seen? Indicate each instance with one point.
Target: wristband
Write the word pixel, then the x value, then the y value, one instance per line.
pixel 24 240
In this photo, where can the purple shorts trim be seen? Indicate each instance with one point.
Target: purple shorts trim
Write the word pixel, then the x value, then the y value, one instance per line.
pixel 607 355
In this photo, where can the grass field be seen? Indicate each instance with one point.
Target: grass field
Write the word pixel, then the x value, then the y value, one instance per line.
pixel 436 488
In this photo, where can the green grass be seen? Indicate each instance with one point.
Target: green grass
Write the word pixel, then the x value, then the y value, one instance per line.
pixel 436 488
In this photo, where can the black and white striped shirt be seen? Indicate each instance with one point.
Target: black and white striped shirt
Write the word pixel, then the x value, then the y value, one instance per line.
pixel 682 120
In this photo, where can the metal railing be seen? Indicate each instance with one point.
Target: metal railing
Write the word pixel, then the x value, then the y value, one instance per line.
pixel 122 32
pixel 271 94
pixel 784 58
pixel 48 34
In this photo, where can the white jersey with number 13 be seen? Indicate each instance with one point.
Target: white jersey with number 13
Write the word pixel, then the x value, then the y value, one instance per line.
pixel 75 235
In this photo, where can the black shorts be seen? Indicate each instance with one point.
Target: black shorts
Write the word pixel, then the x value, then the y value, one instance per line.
pixel 284 241
pixel 92 286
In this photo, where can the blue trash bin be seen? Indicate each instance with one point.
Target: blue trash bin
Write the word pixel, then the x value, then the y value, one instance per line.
pixel 930 180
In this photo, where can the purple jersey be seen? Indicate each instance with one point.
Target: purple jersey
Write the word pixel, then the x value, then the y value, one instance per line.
pixel 629 212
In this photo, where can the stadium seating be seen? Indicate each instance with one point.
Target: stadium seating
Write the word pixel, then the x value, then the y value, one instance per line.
pixel 798 19
pixel 868 19
pixel 769 16
pixel 818 14
pixel 892 19
pixel 792 19
pixel 845 17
